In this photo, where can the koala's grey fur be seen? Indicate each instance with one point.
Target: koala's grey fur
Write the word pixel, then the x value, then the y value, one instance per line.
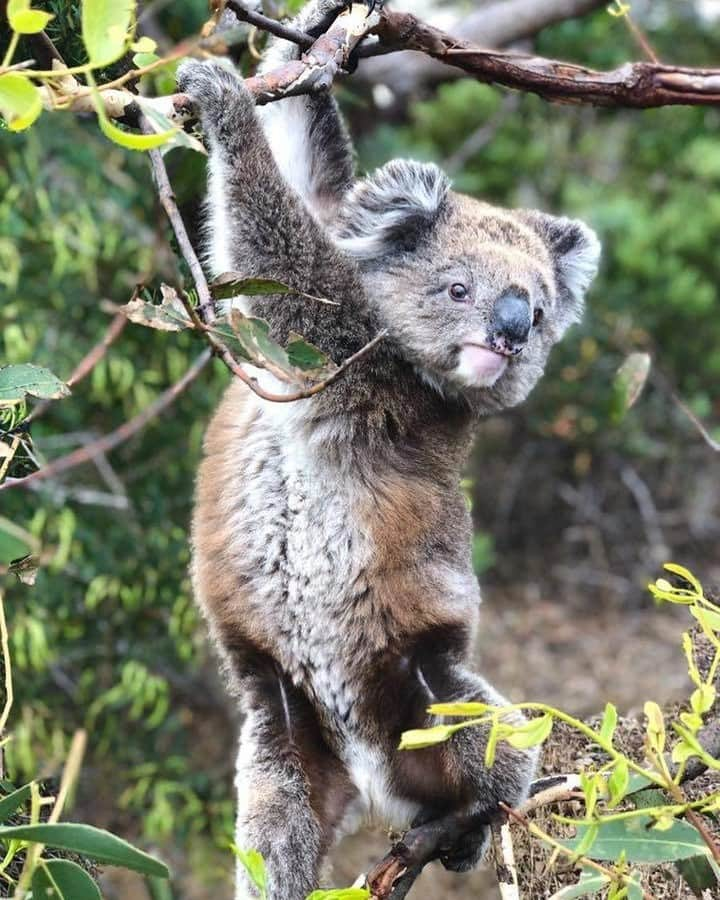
pixel 331 540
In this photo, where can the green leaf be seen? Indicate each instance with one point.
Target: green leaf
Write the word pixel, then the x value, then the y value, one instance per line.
pixel 105 29
pixel 169 315
pixel 96 843
pixel 20 101
pixel 709 620
pixel 618 782
pixel 418 738
pixel 159 889
pixel 609 723
pixel 532 734
pixel 589 883
pixel 306 356
pixel 655 726
pixel 17 381
pixel 640 843
pixel 628 384
pixel 9 804
pixel 254 865
pixel 637 783
pixel 231 284
pixel 698 873
pixel 129 139
pixel 458 709
pixel 15 542
pixel 25 20
pixel 61 879
pixel 254 335
pixel 341 894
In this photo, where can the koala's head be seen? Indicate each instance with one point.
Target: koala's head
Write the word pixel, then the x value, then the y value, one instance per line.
pixel 474 295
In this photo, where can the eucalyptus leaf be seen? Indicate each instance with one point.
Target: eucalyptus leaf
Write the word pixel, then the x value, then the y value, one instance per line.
pixel 698 873
pixel 629 382
pixel 86 840
pixel 9 804
pixel 640 842
pixel 106 29
pixel 231 284
pixel 20 101
pixel 62 879
pixel 18 381
pixel 169 315
pixel 25 20
pixel 15 542
pixel 588 884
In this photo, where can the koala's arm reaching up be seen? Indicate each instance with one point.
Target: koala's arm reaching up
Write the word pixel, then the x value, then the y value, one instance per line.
pixel 306 134
pixel 261 228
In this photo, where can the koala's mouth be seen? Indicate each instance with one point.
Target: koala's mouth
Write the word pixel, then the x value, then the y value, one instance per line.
pixel 480 365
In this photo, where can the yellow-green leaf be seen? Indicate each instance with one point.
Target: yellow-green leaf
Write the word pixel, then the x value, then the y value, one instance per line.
pixel 128 138
pixel 144 44
pixel 105 29
pixel 532 734
pixel 25 20
pixel 618 782
pixel 609 722
pixel 20 101
pixel 709 620
pixel 458 709
pixel 424 737
pixel 703 698
pixel 686 575
pixel 655 726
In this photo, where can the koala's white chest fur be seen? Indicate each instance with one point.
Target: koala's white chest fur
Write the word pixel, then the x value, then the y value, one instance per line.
pixel 297 540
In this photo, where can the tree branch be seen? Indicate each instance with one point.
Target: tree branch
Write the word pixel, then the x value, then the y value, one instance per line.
pixel 110 441
pixel 88 362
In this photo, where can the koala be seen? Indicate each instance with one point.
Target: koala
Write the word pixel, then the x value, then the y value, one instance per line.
pixel 331 540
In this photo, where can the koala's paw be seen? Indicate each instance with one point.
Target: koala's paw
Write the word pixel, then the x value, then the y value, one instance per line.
pixel 214 88
pixel 468 852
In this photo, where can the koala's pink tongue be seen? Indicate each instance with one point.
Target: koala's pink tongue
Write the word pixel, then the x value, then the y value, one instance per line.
pixel 484 364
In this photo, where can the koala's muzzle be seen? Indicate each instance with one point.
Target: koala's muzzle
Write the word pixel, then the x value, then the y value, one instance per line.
pixel 510 324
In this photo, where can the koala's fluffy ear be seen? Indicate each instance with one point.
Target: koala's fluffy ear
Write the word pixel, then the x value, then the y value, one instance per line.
pixel 575 251
pixel 390 209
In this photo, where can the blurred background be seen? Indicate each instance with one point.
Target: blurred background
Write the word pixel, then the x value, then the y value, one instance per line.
pixel 576 506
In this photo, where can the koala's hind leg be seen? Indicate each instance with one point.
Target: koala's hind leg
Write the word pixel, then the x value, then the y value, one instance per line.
pixel 292 792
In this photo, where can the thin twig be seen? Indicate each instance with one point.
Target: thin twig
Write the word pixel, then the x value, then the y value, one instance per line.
pixel 7 678
pixel 119 436
pixel 272 26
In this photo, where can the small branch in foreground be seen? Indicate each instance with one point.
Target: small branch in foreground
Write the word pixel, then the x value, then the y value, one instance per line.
pixel 112 440
pixel 393 877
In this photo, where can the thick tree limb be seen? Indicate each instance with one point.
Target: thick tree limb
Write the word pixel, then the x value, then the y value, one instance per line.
pixel 640 85
pixel 495 25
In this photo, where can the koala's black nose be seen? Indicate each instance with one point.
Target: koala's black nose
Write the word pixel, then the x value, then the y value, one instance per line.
pixel 510 324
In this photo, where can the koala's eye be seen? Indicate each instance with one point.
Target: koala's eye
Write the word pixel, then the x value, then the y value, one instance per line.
pixel 537 317
pixel 458 292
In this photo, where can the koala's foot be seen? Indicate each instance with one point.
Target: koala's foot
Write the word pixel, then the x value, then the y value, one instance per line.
pixel 468 851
